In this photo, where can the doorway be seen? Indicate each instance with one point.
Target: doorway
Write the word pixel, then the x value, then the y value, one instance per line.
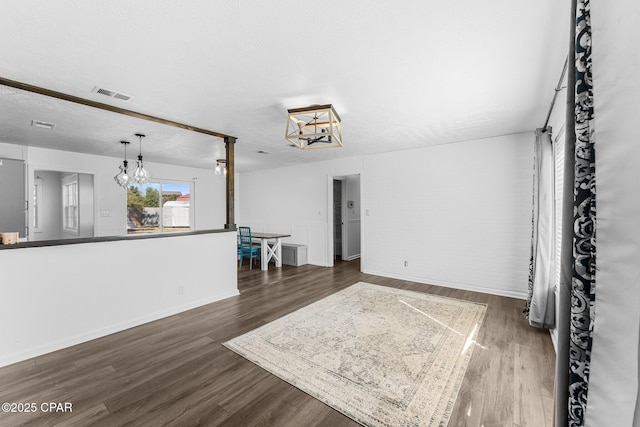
pixel 62 205
pixel 344 222
pixel 337 219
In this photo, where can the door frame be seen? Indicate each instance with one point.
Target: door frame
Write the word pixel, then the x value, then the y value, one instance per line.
pixel 330 222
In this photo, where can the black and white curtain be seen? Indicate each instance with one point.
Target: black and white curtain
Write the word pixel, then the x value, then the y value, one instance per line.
pixel 583 283
pixel 598 317
pixel 577 292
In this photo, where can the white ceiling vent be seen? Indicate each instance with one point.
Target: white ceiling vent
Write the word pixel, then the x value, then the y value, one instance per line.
pixel 42 125
pixel 110 93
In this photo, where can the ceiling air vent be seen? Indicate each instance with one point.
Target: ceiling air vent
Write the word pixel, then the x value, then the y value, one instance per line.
pixel 42 125
pixel 122 96
pixel 111 93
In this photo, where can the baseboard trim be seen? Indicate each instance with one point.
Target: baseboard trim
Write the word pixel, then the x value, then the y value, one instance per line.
pixel 462 286
pixel 6 360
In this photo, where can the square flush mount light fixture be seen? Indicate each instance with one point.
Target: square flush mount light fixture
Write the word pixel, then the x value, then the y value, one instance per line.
pixel 316 126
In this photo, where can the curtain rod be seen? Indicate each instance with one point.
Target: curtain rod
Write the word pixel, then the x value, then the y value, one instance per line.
pixel 555 95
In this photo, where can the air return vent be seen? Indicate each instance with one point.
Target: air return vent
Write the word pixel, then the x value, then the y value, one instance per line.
pixel 42 125
pixel 111 93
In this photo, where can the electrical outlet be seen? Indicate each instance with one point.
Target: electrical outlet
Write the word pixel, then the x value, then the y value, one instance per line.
pixel 180 290
pixel 406 263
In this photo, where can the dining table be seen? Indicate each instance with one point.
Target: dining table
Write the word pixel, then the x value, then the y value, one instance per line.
pixel 270 248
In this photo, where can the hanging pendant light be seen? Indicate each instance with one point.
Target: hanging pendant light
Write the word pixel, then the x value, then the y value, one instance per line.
pixel 141 175
pixel 123 178
pixel 221 165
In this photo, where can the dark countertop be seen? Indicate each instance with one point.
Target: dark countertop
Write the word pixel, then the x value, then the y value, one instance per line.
pixel 61 242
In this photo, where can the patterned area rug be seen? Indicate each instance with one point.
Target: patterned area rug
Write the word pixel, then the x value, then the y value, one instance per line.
pixel 382 356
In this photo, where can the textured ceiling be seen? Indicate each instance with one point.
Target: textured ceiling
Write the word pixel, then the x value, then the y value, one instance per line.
pixel 401 74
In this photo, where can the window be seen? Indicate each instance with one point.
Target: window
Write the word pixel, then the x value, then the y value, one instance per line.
pixel 558 184
pixel 70 221
pixel 159 207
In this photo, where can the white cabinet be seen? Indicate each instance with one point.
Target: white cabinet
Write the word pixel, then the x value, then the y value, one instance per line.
pixel 294 254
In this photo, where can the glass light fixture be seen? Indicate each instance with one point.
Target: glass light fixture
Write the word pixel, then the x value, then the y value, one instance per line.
pixel 141 175
pixel 221 167
pixel 123 178
pixel 315 126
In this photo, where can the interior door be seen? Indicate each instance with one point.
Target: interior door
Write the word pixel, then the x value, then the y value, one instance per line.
pixel 12 197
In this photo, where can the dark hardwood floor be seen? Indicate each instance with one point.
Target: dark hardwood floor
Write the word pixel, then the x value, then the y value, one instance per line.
pixel 175 371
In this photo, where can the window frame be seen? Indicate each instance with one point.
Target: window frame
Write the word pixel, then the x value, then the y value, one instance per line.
pixel 71 204
pixel 165 182
pixel 38 188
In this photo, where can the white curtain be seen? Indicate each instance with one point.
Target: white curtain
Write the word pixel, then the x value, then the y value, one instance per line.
pixel 541 300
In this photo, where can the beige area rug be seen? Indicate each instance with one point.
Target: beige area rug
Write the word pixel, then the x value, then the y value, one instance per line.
pixel 382 356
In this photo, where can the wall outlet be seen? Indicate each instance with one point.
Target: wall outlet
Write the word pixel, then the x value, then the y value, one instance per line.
pixel 406 263
pixel 180 290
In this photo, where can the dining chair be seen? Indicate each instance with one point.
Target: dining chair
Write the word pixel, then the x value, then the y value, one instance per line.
pixel 246 247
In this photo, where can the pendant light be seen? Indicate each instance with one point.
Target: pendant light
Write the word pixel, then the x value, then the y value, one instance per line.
pixel 221 165
pixel 123 178
pixel 141 175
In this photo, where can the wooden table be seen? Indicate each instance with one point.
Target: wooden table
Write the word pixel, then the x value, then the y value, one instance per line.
pixel 267 252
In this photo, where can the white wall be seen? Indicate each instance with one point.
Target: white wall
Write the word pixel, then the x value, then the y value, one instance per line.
pixel 294 200
pixel 12 151
pixel 58 296
pixel 459 214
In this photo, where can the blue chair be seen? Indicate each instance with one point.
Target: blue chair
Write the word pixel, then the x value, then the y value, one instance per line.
pixel 246 247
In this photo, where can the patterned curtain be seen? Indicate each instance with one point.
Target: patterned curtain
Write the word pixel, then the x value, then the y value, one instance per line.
pixel 583 283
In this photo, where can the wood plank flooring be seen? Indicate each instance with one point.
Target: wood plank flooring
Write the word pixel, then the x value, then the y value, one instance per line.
pixel 176 372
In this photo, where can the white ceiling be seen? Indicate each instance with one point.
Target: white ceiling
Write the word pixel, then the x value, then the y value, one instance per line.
pixel 401 74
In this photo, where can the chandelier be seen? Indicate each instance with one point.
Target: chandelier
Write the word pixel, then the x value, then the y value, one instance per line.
pixel 316 126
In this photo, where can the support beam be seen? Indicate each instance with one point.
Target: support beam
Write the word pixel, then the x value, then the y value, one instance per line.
pixel 106 107
pixel 229 145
